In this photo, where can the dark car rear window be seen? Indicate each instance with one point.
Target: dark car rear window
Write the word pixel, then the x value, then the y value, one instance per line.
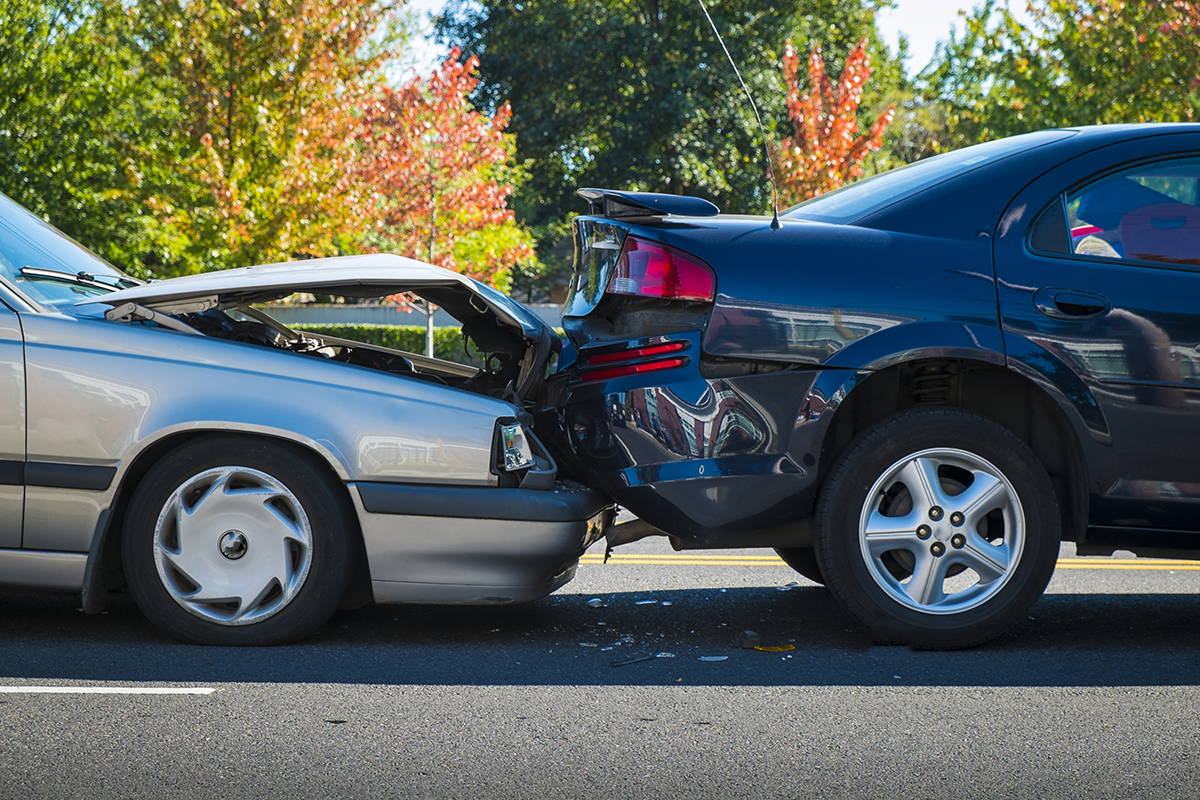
pixel 865 197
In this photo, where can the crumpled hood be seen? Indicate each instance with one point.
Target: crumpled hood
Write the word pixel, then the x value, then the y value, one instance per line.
pixel 375 275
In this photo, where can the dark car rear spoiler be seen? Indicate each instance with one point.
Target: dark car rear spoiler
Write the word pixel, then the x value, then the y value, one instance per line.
pixel 615 205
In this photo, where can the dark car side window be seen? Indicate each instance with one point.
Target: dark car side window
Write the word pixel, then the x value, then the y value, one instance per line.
pixel 1147 213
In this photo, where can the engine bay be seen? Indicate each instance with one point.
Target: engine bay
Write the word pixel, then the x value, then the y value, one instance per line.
pixel 502 352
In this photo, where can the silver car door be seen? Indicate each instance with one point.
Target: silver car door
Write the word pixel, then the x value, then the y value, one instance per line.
pixel 12 429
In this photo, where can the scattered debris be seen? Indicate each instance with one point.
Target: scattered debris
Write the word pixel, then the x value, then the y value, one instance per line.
pixel 633 660
pixel 666 602
pixel 712 658
pixel 645 602
pixel 606 648
pixel 636 659
pixel 748 640
pixel 596 602
pixel 788 587
pixel 780 649
pixel 588 644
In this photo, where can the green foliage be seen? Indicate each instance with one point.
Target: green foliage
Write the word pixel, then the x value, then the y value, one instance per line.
pixel 447 342
pixel 1082 62
pixel 637 94
pixel 82 126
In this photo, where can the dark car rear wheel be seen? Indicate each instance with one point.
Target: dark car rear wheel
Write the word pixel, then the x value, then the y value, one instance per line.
pixel 804 561
pixel 232 541
pixel 937 528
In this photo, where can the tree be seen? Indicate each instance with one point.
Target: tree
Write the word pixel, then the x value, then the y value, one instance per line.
pixel 1081 62
pixel 79 118
pixel 435 171
pixel 825 149
pixel 268 94
pixel 637 94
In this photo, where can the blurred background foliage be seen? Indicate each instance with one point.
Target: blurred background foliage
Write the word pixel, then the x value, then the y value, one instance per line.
pixel 175 136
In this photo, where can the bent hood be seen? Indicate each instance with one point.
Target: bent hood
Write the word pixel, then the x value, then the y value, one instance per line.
pixel 375 275
pixel 492 320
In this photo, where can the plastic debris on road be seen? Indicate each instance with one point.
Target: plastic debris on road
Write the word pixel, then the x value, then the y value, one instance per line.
pixel 712 658
pixel 633 660
pixel 666 602
pixel 596 602
pixel 588 644
pixel 780 649
pixel 788 587
pixel 645 602
pixel 636 659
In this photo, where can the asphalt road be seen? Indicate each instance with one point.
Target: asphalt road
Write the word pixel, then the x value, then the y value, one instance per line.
pixel 1094 696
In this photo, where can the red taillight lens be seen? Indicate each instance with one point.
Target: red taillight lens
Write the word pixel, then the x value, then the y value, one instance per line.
pixel 636 352
pixel 632 369
pixel 650 269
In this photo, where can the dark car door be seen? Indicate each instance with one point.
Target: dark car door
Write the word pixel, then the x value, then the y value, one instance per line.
pixel 1098 268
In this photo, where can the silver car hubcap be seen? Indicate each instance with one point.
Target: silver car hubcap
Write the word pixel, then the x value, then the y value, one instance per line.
pixel 233 545
pixel 942 531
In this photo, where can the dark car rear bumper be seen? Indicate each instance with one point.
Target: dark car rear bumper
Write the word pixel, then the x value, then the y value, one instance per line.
pixel 703 458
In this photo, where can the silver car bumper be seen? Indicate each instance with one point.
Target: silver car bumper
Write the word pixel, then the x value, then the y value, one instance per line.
pixel 475 545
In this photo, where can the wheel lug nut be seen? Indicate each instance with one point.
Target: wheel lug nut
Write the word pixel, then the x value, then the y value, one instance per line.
pixel 958 540
pixel 923 532
pixel 956 518
pixel 935 513
pixel 937 548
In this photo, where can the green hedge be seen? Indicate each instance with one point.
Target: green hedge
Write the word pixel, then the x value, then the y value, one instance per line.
pixel 447 342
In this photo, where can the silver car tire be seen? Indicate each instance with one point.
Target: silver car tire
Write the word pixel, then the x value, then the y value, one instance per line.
pixel 238 541
pixel 937 528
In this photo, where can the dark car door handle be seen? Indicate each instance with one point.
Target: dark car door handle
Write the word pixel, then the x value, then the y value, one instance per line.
pixel 1070 303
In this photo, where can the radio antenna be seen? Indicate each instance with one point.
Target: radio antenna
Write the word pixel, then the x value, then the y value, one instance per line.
pixel 761 129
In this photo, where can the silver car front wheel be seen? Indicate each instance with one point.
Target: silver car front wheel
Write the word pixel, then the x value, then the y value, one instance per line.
pixel 233 545
pixel 238 541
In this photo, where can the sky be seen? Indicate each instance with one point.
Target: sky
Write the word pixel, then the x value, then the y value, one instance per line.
pixel 924 22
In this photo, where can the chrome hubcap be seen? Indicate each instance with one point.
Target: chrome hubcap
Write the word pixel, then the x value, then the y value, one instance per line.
pixel 942 531
pixel 233 545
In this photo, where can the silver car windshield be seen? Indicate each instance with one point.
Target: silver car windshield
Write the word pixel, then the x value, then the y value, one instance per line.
pixel 49 267
pixel 853 202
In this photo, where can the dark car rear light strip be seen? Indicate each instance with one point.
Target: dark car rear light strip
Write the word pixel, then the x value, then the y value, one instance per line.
pixel 635 353
pixel 632 369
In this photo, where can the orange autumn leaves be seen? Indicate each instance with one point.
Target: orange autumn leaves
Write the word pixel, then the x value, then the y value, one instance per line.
pixel 826 148
pixel 293 144
pixel 434 166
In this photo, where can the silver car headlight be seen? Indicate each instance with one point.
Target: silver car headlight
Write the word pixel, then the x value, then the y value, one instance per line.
pixel 515 447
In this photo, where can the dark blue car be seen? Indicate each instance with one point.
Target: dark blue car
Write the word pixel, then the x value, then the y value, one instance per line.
pixel 912 388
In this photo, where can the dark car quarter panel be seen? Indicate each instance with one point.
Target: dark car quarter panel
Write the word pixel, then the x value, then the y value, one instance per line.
pixel 1120 372
pixel 812 309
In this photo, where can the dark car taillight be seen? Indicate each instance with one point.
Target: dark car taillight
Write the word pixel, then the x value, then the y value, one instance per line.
pixel 651 269
pixel 634 354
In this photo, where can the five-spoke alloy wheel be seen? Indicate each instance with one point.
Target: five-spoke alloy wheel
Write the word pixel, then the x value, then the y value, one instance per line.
pixel 237 541
pixel 937 528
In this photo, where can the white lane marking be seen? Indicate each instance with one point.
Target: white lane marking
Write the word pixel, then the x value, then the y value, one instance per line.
pixel 103 690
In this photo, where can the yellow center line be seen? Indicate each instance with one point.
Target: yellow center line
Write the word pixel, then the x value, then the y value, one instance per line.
pixel 699 560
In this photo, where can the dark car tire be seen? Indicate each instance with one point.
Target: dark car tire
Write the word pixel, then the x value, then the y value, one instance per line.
pixel 804 561
pixel 994 563
pixel 238 541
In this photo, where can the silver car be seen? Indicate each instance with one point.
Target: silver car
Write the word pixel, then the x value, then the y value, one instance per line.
pixel 245 480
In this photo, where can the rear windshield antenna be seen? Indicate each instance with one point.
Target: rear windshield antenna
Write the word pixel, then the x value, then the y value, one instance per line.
pixel 761 129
